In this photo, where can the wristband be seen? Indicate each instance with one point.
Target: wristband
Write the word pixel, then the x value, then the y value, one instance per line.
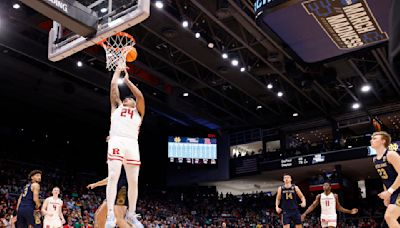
pixel 391 190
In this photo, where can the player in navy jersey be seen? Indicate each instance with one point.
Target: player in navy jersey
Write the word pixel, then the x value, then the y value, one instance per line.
pixel 28 204
pixel 121 203
pixel 286 202
pixel 387 164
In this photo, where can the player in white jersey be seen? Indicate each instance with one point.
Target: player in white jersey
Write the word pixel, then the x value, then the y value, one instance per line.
pixel 52 210
pixel 329 204
pixel 123 147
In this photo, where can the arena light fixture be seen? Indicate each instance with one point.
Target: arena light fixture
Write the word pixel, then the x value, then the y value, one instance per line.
pixel 242 69
pixel 365 88
pixel 235 62
pixel 185 94
pixel 356 105
pixel 210 45
pixel 16 6
pixel 280 94
pixel 224 55
pixel 79 63
pixel 197 35
pixel 259 107
pixel 295 114
pixel 159 4
pixel 103 10
pixel 185 23
pixel 270 86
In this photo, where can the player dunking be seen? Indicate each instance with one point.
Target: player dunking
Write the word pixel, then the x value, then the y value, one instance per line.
pixel 51 210
pixel 28 201
pixel 387 163
pixel 120 207
pixel 329 204
pixel 288 193
pixel 123 147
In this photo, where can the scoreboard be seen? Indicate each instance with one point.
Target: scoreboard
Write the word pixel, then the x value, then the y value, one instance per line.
pixel 192 150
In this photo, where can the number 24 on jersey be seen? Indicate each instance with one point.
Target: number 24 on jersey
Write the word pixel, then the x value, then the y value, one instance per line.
pixel 127 112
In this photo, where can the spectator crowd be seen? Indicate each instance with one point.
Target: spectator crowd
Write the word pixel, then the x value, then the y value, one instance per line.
pixel 166 207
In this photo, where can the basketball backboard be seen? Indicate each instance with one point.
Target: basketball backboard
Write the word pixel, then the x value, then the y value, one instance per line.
pixel 112 16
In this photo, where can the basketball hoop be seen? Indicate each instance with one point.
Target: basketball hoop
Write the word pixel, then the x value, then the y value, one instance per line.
pixel 117 48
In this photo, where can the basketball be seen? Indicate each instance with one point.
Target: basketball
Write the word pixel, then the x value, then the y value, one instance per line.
pixel 132 55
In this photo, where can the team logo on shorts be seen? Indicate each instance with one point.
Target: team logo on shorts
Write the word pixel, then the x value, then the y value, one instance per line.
pixel 115 151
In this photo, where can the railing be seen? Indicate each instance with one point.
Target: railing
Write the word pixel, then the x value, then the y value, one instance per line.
pixel 246 165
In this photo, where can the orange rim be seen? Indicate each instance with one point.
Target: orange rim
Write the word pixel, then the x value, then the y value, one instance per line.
pixel 101 43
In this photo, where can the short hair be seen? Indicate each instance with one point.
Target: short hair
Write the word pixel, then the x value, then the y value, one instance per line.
pixel 57 187
pixel 327 182
pixel 286 174
pixel 130 96
pixel 384 135
pixel 33 173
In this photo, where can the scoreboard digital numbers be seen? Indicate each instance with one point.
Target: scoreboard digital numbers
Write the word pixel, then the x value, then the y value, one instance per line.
pixel 192 150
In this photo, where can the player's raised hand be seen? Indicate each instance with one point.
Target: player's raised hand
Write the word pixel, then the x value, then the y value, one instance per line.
pixel 386 202
pixel 91 186
pixel 120 67
pixel 303 217
pixel 126 77
pixel 278 210
pixel 303 204
pixel 385 195
pixel 354 211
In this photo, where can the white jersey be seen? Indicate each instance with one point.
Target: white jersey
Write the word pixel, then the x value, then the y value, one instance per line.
pixel 328 204
pixel 54 206
pixel 125 122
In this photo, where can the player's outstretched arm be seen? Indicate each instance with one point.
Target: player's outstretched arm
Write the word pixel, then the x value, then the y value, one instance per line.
pixel 19 201
pixel 98 184
pixel 60 214
pixel 114 91
pixel 36 190
pixel 301 196
pixel 44 207
pixel 342 209
pixel 278 200
pixel 311 207
pixel 394 159
pixel 137 93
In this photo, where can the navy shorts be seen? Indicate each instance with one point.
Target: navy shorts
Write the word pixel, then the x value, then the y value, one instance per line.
pixel 291 215
pixel 25 217
pixel 122 196
pixel 395 198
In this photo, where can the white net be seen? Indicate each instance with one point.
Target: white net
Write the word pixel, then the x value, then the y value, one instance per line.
pixel 117 47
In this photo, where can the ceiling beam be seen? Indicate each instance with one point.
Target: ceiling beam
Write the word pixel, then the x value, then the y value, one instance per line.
pixel 214 72
pixel 210 15
pixel 364 79
pixel 386 72
pixel 148 50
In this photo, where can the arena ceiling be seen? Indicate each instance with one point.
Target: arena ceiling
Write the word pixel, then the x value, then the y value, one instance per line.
pixel 173 62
